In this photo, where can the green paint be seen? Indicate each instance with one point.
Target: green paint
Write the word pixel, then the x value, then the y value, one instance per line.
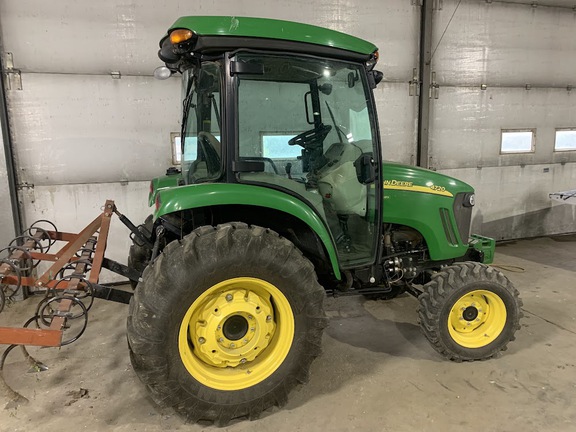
pixel 210 194
pixel 167 181
pixel 412 196
pixel 421 210
pixel 273 29
pixel 486 245
pixel 413 208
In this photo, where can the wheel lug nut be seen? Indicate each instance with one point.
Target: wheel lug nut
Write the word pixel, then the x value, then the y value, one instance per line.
pixel 219 328
pixel 221 340
pixel 250 317
pixel 252 328
pixel 243 360
pixel 245 341
pixel 202 340
pixel 232 345
pixel 229 297
pixel 268 318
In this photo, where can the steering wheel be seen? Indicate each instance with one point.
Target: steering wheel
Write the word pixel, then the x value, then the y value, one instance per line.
pixel 208 144
pixel 311 138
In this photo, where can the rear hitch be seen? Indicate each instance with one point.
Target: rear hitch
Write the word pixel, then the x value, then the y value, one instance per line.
pixel 136 234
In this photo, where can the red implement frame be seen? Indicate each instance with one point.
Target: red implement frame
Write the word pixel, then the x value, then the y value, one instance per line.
pixel 91 242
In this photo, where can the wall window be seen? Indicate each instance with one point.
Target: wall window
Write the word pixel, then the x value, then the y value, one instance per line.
pixel 191 151
pixel 176 148
pixel 275 146
pixel 565 140
pixel 518 141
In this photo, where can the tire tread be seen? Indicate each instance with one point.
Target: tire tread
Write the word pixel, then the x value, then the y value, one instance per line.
pixel 435 298
pixel 151 304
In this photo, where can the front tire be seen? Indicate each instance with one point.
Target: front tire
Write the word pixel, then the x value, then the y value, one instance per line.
pixel 226 322
pixel 469 311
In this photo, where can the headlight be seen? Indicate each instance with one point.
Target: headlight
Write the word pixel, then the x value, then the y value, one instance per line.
pixel 469 200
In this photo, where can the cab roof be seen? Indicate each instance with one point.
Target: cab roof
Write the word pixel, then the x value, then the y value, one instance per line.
pixel 271 33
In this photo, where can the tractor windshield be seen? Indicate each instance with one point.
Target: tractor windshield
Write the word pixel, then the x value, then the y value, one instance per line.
pixel 310 122
pixel 201 143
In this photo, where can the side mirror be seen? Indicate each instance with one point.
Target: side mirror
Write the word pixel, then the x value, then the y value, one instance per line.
pixel 352 78
pixel 325 88
pixel 374 78
pixel 365 171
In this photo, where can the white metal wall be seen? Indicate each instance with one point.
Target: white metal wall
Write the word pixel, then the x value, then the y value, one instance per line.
pixel 81 137
pixel 506 46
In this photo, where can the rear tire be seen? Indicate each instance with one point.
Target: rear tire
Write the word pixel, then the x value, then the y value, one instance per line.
pixel 225 323
pixel 469 311
pixel 139 256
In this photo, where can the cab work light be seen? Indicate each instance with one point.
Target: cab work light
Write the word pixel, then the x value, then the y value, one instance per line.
pixel 373 60
pixel 180 35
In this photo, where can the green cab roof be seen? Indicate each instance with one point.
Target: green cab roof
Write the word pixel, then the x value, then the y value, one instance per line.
pixel 273 29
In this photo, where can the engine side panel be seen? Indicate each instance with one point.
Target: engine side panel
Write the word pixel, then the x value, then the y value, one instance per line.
pixel 425 200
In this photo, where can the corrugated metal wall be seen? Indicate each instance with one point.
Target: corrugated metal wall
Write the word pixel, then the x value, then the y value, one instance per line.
pixel 506 46
pixel 81 137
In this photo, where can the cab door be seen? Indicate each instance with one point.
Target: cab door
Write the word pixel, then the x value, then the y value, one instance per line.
pixel 308 124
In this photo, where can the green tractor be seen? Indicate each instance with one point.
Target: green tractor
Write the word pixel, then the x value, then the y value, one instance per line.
pixel 282 198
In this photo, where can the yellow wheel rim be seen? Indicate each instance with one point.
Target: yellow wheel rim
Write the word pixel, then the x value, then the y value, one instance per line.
pixel 477 319
pixel 236 334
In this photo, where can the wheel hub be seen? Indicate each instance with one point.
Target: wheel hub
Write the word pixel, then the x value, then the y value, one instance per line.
pixel 470 313
pixel 232 327
pixel 235 327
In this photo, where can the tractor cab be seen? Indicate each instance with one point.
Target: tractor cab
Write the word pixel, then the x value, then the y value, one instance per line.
pixel 301 123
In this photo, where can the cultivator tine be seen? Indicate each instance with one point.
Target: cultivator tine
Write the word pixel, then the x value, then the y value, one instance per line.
pixel 68 286
pixel 15 397
pixel 35 365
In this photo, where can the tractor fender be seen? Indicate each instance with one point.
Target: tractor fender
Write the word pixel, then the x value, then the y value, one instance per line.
pixel 211 194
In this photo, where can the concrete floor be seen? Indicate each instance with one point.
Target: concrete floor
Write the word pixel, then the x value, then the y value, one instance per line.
pixel 377 371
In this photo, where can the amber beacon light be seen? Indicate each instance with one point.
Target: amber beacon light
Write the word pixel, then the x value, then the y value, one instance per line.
pixel 181 35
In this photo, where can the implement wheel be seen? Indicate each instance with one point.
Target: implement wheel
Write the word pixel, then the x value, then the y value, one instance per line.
pixel 469 311
pixel 226 322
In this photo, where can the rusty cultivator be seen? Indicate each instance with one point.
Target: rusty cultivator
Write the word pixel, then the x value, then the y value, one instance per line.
pixel 66 289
